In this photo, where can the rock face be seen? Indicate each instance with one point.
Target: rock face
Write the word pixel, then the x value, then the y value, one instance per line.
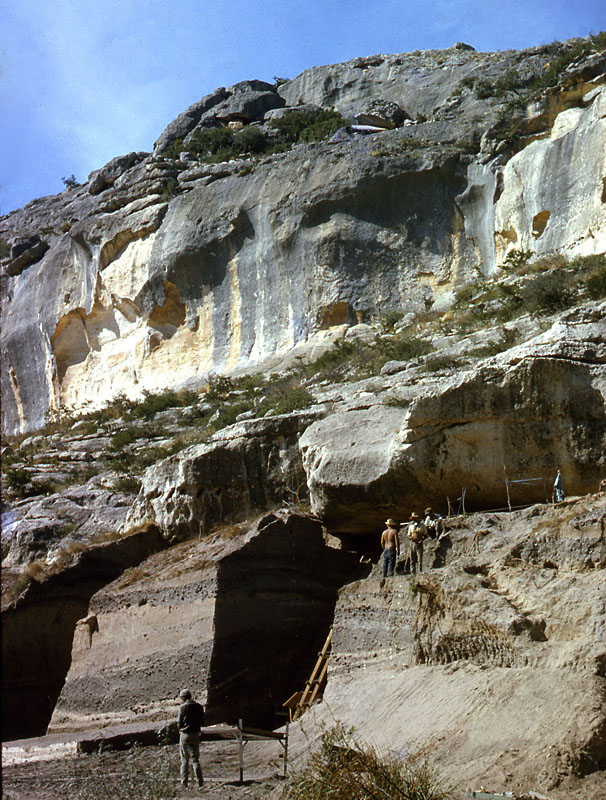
pixel 513 412
pixel 151 263
pixel 238 620
pixel 40 526
pixel 246 467
pixel 403 441
pixel 495 655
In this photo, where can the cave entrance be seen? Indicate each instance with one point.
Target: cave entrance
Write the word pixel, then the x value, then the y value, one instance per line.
pixel 365 546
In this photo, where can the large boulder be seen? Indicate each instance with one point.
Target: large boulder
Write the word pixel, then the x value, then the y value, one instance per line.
pixel 382 113
pixel 103 178
pixel 247 101
pixel 188 119
pixel 24 252
pixel 244 468
pixel 41 528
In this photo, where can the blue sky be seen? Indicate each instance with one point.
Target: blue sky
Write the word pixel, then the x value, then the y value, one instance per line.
pixel 82 81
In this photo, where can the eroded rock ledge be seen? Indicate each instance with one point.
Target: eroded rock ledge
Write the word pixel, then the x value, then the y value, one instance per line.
pixel 385 446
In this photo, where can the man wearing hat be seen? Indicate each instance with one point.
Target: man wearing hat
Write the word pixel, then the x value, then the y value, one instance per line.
pixel 433 523
pixel 416 533
pixel 391 547
pixel 189 721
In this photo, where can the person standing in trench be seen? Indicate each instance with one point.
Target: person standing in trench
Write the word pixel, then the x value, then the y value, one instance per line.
pixel 189 721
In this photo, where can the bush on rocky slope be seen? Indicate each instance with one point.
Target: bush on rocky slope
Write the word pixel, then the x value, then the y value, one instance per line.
pixel 543 286
pixel 223 144
pixel 344 769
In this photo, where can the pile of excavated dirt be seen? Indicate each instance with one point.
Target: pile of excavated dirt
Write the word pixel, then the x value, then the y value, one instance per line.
pixel 492 660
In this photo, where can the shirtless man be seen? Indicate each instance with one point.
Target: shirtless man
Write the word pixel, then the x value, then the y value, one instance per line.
pixel 391 547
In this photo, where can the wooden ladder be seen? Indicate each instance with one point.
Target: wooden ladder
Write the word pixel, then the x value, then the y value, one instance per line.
pixel 299 702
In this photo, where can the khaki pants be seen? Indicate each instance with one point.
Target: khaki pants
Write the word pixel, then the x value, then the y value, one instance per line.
pixel 189 748
pixel 416 556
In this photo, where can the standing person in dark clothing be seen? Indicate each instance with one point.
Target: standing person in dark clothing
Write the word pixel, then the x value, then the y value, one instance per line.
pixel 189 721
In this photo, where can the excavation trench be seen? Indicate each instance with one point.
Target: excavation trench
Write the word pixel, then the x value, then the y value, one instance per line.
pixel 274 606
pixel 240 621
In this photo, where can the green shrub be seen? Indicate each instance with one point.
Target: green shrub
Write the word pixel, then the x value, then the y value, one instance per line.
pixel 559 63
pixel 547 293
pixel 219 387
pixel 128 484
pixel 209 141
pixel 170 189
pixel 390 319
pixel 308 126
pixel 396 402
pixel 21 484
pixel 250 139
pixel 346 357
pixel 517 258
pixel 293 400
pixel 598 41
pixel 17 479
pixel 403 348
pixel 174 149
pixel 441 362
pixel 507 339
pixel 326 123
pixel 588 264
pixel 464 295
pixel 126 436
pixel 155 402
pixel 596 284
pixel 484 89
pixel 504 84
pixel 344 769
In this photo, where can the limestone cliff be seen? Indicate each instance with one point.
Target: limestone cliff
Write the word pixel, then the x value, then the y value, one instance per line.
pixel 160 270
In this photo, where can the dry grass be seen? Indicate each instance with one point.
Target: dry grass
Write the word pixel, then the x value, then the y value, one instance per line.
pixel 344 769
pixel 96 778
